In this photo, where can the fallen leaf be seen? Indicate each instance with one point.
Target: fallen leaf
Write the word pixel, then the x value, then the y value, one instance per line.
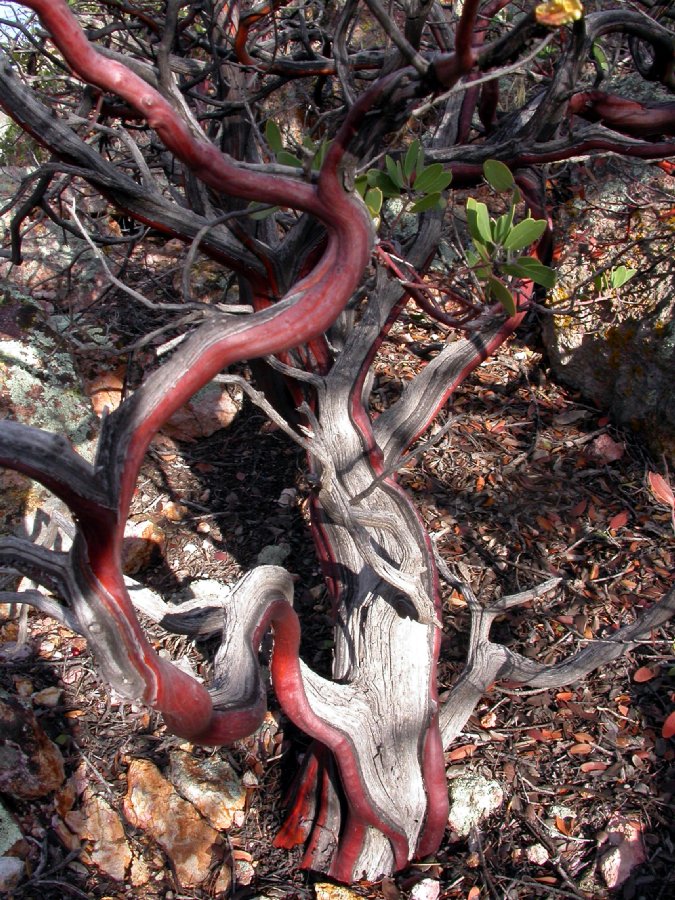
pixel 644 673
pixel 460 752
pixel 619 520
pixel 668 729
pixel 661 489
pixel 593 767
pixel 580 749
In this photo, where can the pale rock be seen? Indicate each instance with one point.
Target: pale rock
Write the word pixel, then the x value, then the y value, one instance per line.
pixel 9 830
pixel 244 871
pixel 211 409
pixel 625 850
pixel 274 554
pixel 102 828
pixel 139 874
pixel 472 799
pixel 537 854
pixel 211 785
pixel 152 805
pixel 426 889
pixel 11 872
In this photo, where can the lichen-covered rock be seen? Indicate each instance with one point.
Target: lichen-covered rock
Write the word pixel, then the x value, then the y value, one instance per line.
pixel 616 344
pixel 472 799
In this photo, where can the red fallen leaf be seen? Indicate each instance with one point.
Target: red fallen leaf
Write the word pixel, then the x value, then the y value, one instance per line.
pixel 579 508
pixel 563 826
pixel 543 734
pixel 460 752
pixel 661 489
pixel 644 673
pixel 668 729
pixel 583 737
pixel 619 520
pixel 593 767
pixel 580 749
pixel 474 894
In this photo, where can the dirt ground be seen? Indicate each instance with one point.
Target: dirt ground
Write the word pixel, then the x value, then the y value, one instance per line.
pixel 529 482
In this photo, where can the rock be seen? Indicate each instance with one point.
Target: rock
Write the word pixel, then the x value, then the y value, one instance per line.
pixel 30 764
pixel 143 541
pixel 39 385
pixel 472 799
pixel 625 850
pixel 327 891
pixel 537 854
pixel 211 785
pixel 208 411
pixel 11 872
pixel 100 829
pixel 426 889
pixel 618 351
pixel 274 554
pixel 9 830
pixel 152 805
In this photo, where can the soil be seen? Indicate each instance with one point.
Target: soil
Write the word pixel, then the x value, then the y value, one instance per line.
pixel 530 481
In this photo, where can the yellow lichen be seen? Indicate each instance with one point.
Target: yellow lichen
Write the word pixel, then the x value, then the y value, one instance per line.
pixel 559 12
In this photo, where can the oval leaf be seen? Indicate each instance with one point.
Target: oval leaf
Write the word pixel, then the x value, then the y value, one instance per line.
pixel 373 201
pixel 668 730
pixel 394 171
pixel 429 176
pixel 501 293
pixel 524 234
pixel 273 136
pixel 478 220
pixel 411 157
pixel 379 179
pixel 533 271
pixel 287 159
pixel 643 674
pixel 498 175
pixel 428 202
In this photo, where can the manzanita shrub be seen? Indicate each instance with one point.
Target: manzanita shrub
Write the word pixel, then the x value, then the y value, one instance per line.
pixel 184 116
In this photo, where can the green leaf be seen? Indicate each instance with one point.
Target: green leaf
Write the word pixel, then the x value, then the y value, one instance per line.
pixel 373 200
pixel 478 220
pixel 361 184
pixel 501 293
pixel 432 179
pixel 411 157
pixel 395 171
pixel 379 179
pixel 483 251
pixel 498 175
pixel 532 269
pixel 524 234
pixel 273 136
pixel 429 201
pixel 259 214
pixel 600 58
pixel 620 276
pixel 503 226
pixel 287 159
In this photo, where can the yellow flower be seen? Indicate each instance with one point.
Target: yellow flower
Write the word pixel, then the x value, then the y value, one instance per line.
pixel 558 12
